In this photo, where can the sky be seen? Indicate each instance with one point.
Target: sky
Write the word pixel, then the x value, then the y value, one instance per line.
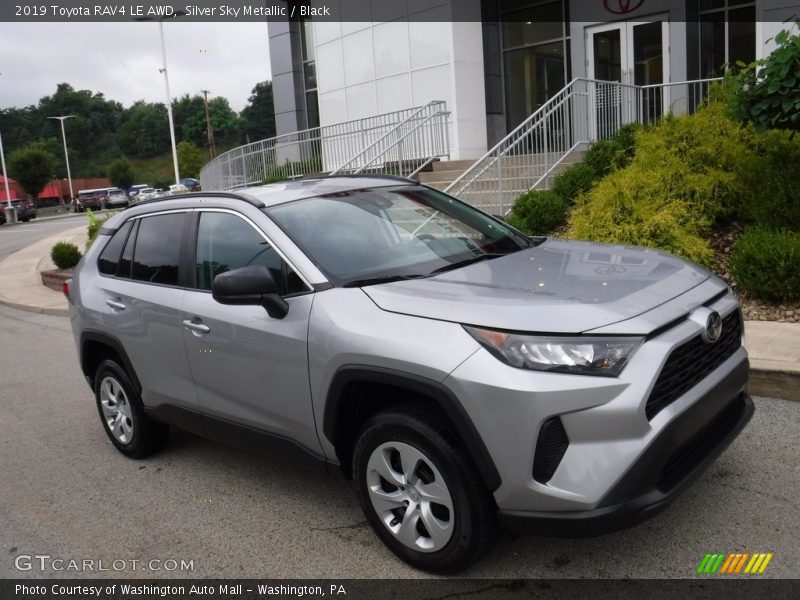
pixel 122 60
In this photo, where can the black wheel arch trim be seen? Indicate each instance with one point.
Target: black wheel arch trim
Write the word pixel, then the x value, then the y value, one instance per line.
pixel 116 345
pixel 439 393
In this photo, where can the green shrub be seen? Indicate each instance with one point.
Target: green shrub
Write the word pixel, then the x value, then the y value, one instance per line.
pixel 574 181
pixel 95 224
pixel 65 255
pixel 685 177
pixel 615 153
pixel 773 177
pixel 538 212
pixel 766 263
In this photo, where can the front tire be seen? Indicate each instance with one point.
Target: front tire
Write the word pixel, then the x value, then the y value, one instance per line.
pixel 122 413
pixel 421 493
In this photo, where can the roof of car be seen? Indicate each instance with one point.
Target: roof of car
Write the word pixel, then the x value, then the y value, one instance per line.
pixel 264 196
pixel 286 191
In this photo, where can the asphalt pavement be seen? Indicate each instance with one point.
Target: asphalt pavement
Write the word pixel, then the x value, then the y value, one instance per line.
pixel 66 493
pixel 22 235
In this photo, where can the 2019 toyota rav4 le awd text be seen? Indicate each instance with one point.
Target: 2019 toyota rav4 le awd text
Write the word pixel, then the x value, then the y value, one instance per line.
pixel 466 377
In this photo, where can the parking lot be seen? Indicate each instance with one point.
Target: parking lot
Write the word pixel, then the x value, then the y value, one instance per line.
pixel 65 492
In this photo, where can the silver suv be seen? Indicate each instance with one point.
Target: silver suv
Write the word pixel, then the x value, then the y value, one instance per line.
pixel 463 375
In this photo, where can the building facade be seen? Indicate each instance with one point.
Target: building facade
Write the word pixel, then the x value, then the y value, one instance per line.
pixel 496 61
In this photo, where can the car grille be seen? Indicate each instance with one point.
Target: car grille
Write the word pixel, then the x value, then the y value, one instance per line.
pixel 691 362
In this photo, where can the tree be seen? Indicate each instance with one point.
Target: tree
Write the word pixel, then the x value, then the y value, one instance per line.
pixel 144 131
pixel 190 159
pixel 767 92
pixel 121 174
pixel 258 117
pixel 32 167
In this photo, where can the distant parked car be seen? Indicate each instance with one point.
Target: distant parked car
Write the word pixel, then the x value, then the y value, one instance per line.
pixel 147 193
pixel 26 210
pixel 191 184
pixel 177 188
pixel 134 190
pixel 116 199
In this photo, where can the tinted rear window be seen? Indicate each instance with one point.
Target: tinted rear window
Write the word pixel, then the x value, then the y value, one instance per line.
pixel 109 258
pixel 157 252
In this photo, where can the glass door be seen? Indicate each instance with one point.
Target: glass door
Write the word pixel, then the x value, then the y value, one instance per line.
pixel 628 54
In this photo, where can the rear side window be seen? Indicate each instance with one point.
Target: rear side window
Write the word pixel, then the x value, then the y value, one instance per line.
pixel 109 259
pixel 157 251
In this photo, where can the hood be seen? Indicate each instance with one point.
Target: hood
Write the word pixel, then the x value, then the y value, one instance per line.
pixel 557 287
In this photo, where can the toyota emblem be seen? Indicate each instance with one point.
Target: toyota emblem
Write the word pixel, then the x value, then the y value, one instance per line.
pixel 622 7
pixel 713 329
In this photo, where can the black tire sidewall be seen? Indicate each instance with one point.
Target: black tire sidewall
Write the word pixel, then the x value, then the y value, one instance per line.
pixel 141 443
pixel 422 433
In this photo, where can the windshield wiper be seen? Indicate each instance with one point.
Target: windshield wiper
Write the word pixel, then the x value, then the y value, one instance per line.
pixel 469 261
pixel 380 279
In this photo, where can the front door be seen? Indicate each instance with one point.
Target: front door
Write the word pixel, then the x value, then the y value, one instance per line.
pixel 249 369
pixel 635 56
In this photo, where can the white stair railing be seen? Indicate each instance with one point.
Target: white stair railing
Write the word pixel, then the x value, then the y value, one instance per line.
pixel 316 150
pixel 585 110
pixel 408 148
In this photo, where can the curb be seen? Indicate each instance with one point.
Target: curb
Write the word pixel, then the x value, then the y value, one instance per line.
pixel 775 384
pixel 56 312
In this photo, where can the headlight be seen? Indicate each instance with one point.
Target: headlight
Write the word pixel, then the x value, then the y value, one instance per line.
pixel 585 355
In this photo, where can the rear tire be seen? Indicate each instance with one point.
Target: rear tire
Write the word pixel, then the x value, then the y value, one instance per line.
pixel 421 493
pixel 122 413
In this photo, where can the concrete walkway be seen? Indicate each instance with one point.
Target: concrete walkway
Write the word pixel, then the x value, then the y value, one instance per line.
pixel 774 348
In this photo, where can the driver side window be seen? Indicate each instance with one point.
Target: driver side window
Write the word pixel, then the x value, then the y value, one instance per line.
pixel 226 242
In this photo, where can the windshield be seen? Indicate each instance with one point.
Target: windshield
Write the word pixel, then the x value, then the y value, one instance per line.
pixel 369 236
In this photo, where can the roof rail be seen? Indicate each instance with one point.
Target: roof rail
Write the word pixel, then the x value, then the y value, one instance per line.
pixel 247 198
pixel 362 176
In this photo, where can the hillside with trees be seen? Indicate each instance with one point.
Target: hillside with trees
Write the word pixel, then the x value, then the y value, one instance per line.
pixel 104 131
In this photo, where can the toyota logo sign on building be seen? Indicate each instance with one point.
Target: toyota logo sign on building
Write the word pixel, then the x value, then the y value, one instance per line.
pixel 622 7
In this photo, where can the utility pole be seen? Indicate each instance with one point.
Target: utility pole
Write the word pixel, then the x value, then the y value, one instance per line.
pixel 212 151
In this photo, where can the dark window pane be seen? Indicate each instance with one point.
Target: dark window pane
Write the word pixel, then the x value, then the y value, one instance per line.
pixel 538 24
pixel 155 259
pixel 312 109
pixel 712 45
pixel 126 262
pixel 742 35
pixel 607 56
pixel 109 258
pixel 532 76
pixel 310 74
pixel 711 4
pixel 226 242
pixel 648 54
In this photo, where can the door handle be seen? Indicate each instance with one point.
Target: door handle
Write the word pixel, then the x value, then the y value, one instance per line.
pixel 116 304
pixel 197 327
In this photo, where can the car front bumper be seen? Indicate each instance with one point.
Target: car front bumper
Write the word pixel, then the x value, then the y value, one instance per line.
pixel 683 451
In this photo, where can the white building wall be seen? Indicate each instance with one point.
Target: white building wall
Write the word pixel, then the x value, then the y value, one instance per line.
pixel 369 68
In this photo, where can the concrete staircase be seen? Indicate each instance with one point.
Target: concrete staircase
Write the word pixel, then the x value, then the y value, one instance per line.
pixel 515 170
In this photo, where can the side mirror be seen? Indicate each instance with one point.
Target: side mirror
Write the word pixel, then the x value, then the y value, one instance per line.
pixel 252 285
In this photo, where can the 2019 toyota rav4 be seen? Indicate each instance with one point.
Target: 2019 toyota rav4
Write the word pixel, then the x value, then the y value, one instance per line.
pixel 465 376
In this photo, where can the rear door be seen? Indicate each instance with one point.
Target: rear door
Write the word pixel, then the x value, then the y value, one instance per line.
pixel 249 368
pixel 140 283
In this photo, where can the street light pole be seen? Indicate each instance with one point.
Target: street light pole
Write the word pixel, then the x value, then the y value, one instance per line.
pixel 212 151
pixel 66 154
pixel 5 173
pixel 169 102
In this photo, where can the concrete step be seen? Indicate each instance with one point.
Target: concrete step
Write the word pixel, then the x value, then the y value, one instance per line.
pixel 452 165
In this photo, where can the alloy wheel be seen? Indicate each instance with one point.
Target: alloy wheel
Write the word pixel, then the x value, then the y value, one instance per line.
pixel 410 496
